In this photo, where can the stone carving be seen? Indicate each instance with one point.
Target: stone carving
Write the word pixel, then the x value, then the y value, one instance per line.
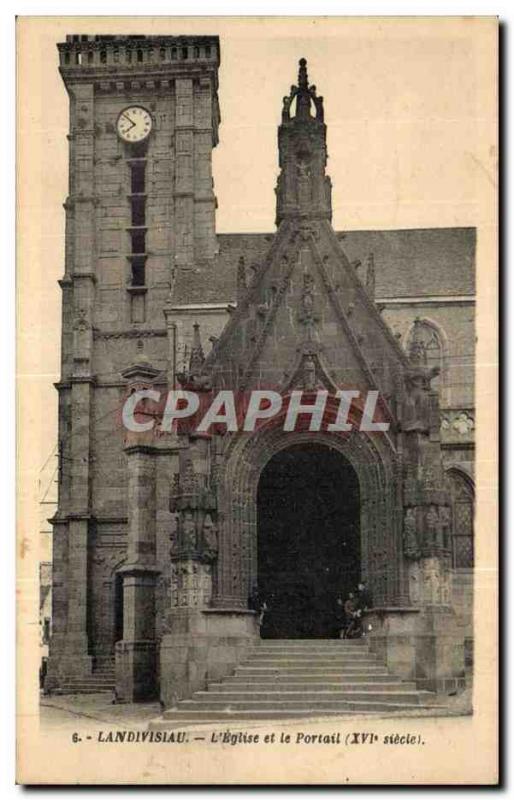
pixel 174 533
pixel 411 546
pixel 307 314
pixel 174 492
pixel 130 334
pixel 431 582
pixel 457 422
pixel 195 376
pixel 415 587
pixel 188 479
pixel 432 477
pixel 303 182
pixel 190 585
pixel 432 528
pixel 210 538
pixel 436 581
pixel 417 410
pixel 188 531
pixel 81 321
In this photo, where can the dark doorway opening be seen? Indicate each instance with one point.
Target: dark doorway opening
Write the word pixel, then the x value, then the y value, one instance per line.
pixel 308 540
pixel 118 608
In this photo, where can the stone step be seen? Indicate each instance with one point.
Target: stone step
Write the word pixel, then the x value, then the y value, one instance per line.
pixel 288 679
pixel 303 652
pixel 319 698
pixel 331 669
pixel 270 704
pixel 92 681
pixel 89 682
pixel 382 684
pixel 312 643
pixel 202 714
pixel 306 680
pixel 321 661
pixel 175 719
pixel 299 652
pixel 84 688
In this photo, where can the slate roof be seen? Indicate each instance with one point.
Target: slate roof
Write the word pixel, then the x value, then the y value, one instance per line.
pixel 408 263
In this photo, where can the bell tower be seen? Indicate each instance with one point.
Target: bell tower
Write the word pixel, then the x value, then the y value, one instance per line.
pixel 303 190
pixel 144 119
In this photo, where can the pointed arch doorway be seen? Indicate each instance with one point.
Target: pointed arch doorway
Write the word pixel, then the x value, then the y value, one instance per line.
pixel 308 540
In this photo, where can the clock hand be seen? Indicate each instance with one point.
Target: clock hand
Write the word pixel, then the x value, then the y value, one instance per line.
pixel 133 124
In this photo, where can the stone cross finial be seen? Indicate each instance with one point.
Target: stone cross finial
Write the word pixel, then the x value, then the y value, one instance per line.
pixel 197 357
pixel 303 79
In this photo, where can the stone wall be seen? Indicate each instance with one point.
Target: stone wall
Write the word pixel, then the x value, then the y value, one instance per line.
pixel 462 597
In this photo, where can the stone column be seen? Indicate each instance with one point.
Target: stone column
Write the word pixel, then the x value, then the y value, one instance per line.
pixel 184 173
pixel 135 654
pixel 205 245
pixel 202 643
pixel 70 650
pixel 171 337
pixel 136 669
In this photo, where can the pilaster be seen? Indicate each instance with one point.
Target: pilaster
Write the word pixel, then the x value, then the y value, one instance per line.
pixel 136 677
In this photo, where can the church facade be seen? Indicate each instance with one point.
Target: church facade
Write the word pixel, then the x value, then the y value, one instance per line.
pixel 160 537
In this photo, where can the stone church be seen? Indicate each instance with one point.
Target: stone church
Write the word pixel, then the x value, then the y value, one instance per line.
pixel 159 539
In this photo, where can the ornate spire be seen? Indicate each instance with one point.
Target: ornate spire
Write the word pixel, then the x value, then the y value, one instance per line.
pixel 305 96
pixel 197 357
pixel 303 189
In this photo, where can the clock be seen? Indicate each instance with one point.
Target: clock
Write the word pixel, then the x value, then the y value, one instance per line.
pixel 134 124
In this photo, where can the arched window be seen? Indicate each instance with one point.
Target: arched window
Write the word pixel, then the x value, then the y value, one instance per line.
pixel 462 508
pixel 431 339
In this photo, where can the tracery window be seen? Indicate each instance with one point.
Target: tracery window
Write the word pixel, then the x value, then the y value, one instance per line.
pixel 462 508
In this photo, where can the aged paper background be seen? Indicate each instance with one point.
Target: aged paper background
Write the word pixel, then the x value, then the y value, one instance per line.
pixel 411 109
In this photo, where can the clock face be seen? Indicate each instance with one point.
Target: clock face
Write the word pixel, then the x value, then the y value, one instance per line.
pixel 134 124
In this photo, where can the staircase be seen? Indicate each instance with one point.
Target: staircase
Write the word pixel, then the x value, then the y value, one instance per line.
pixel 101 680
pixel 284 679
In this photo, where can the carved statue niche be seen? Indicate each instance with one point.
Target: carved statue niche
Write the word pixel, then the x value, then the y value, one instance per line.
pixel 309 374
pixel 411 546
pixel 416 413
pixel 188 531
pixel 418 406
pixel 432 528
pixel 210 538
pixel 303 176
pixel 307 314
pixel 174 492
pixel 174 536
pixel 81 328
